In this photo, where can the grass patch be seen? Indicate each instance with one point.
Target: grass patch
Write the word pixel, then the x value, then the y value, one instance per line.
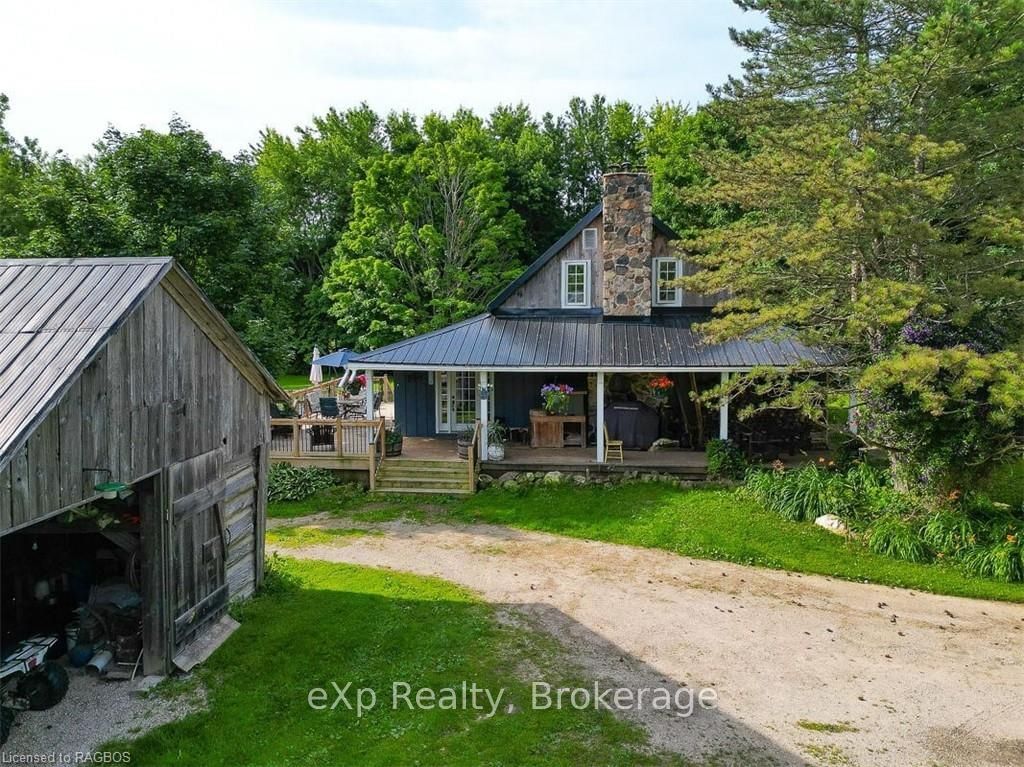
pixel 832 727
pixel 706 523
pixel 307 535
pixel 372 627
pixel 297 381
pixel 827 754
pixel 335 499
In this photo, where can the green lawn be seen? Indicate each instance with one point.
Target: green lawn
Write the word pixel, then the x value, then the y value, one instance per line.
pixel 299 381
pixel 374 627
pixel 705 523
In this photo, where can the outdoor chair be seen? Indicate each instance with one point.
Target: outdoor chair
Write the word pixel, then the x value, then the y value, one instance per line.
pixel 313 402
pixel 329 407
pixel 612 448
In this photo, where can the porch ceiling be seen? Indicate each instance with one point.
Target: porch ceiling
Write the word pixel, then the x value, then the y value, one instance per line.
pixel 664 342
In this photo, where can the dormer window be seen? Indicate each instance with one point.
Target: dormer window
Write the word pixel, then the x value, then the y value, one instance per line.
pixel 589 241
pixel 575 284
pixel 666 272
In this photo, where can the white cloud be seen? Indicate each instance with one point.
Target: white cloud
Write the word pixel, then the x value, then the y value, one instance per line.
pixel 232 68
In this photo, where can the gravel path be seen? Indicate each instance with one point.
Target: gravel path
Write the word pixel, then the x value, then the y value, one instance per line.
pixel 909 678
pixel 93 712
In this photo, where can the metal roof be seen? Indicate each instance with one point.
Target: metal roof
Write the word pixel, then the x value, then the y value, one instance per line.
pixel 659 226
pixel 661 342
pixel 55 316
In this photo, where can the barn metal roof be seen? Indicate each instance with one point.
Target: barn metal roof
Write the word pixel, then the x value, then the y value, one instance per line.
pixel 55 316
pixel 661 342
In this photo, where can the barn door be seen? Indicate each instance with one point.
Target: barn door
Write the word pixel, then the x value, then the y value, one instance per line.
pixel 198 563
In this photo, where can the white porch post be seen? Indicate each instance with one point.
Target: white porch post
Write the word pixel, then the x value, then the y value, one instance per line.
pixel 369 394
pixel 485 397
pixel 723 413
pixel 600 416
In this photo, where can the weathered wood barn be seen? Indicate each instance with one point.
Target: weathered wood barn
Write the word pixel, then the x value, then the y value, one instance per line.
pixel 133 451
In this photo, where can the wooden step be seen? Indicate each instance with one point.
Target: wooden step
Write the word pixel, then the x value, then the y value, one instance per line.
pixel 422 462
pixel 412 471
pixel 423 482
pixel 423 491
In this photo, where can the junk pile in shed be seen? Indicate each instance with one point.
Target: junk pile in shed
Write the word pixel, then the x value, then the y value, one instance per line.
pixel 71 598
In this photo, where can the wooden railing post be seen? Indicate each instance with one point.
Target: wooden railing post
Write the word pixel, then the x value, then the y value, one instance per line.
pixel 296 438
pixel 338 450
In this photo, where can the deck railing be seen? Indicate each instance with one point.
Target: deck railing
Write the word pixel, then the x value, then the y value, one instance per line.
pixel 472 455
pixel 376 452
pixel 324 437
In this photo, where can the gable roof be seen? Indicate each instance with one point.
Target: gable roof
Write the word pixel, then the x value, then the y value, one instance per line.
pixel 56 315
pixel 659 226
pixel 661 342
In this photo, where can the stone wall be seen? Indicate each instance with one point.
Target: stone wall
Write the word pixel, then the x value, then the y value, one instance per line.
pixel 628 227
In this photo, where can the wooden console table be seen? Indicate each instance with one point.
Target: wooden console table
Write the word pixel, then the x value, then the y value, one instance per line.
pixel 549 430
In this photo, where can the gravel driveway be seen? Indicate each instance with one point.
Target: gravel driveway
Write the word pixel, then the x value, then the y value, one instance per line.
pixel 807 669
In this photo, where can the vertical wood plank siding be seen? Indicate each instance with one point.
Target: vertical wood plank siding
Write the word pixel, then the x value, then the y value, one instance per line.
pixel 160 395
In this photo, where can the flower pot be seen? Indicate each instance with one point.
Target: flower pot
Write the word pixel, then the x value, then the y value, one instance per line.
pixel 391 449
pixel 495 452
pixel 463 443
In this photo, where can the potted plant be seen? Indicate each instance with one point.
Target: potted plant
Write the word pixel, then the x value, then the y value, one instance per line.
pixel 497 436
pixel 393 441
pixel 556 398
pixel 463 442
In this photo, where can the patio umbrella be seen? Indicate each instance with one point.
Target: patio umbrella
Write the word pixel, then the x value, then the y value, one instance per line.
pixel 316 373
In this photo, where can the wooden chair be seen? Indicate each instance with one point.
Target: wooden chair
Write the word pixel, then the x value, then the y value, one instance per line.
pixel 612 448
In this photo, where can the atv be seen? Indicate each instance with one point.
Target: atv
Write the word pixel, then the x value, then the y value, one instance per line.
pixel 29 681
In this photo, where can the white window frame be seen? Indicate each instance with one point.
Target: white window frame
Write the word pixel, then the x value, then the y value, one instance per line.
pixel 583 241
pixel 586 284
pixel 656 299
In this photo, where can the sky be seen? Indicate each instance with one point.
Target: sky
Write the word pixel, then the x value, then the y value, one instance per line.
pixel 232 68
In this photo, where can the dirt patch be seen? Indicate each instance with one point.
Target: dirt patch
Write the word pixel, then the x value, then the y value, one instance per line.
pixel 911 684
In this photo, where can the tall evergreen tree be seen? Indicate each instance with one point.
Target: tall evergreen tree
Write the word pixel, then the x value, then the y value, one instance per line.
pixel 880 217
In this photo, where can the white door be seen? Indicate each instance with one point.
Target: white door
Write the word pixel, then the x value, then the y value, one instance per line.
pixel 458 404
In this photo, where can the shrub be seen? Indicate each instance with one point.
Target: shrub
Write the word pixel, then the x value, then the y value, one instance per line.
pixel 949 531
pixel 799 494
pixel 899 538
pixel 1003 560
pixel 292 483
pixel 725 460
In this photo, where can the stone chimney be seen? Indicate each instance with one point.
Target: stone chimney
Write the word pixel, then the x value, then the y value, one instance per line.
pixel 627 242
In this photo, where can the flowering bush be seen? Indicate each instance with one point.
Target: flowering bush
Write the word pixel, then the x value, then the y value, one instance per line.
pixel 657 391
pixel 556 397
pixel 356 384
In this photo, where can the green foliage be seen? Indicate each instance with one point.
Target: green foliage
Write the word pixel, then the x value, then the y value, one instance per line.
pixel 725 459
pixel 878 194
pixel 948 413
pixel 1003 560
pixel 897 537
pixel 1005 484
pixel 277 577
pixel 293 483
pixel 801 494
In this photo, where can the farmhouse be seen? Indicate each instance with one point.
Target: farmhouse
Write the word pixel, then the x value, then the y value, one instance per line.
pixel 133 458
pixel 601 318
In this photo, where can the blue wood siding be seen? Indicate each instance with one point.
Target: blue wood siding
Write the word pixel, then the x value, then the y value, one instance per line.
pixel 414 404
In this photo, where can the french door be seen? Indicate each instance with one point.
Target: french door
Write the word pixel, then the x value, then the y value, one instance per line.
pixel 458 404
